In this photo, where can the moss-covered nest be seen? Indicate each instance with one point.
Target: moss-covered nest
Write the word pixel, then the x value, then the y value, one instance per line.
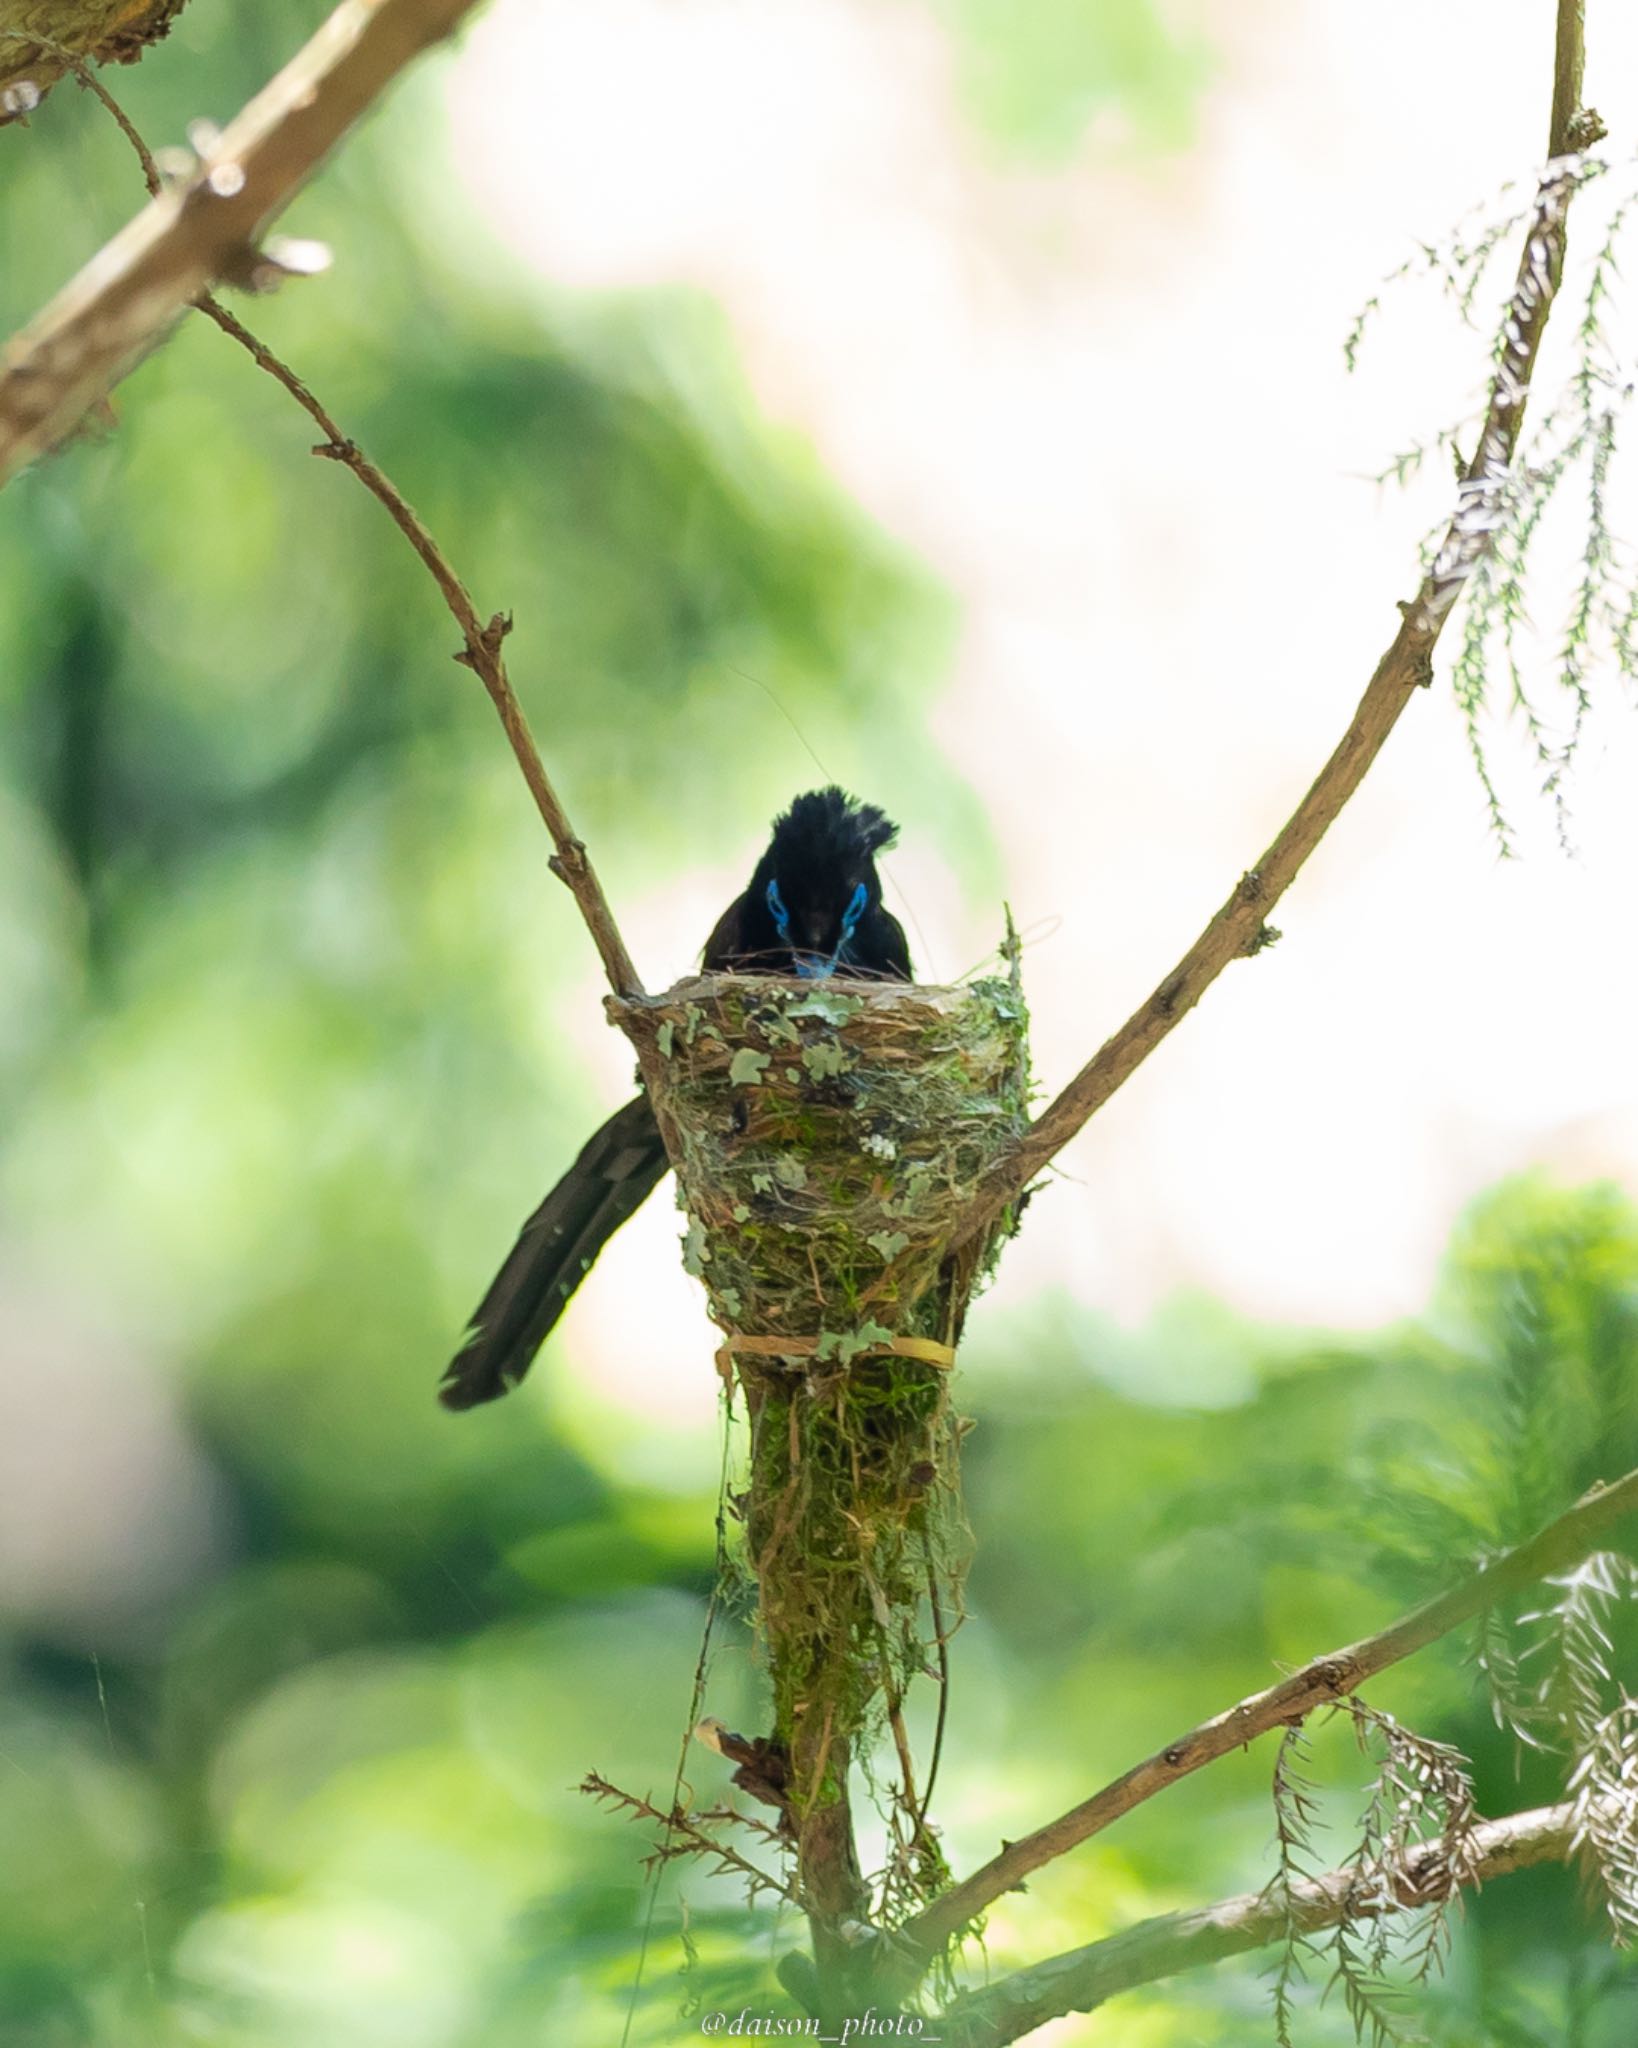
pixel 828 1138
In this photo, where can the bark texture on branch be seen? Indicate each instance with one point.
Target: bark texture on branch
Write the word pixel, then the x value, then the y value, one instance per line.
pixel 1083 1978
pixel 131 292
pixel 34 32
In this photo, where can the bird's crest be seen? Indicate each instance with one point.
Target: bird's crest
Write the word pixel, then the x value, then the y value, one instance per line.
pixel 828 829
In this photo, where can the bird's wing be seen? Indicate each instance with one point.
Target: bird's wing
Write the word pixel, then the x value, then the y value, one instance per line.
pixel 726 945
pixel 889 948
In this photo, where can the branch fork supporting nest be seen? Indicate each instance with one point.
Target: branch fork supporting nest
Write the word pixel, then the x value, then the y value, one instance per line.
pixel 827 1139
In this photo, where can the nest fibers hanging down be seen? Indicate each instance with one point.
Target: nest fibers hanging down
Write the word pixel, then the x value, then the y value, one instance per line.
pixel 827 1139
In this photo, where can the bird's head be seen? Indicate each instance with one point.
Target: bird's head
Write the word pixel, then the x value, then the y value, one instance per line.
pixel 817 882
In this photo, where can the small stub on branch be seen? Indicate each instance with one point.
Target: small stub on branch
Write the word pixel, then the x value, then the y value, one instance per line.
pixel 488 644
pixel 570 862
pixel 262 270
pixel 1586 129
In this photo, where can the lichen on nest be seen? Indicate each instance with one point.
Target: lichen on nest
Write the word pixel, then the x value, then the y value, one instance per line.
pixel 828 1139
pixel 828 1136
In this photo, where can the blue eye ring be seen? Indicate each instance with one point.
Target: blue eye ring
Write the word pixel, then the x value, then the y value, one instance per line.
pixel 776 909
pixel 855 910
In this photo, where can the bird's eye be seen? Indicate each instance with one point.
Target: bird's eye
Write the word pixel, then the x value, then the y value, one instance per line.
pixel 776 907
pixel 855 909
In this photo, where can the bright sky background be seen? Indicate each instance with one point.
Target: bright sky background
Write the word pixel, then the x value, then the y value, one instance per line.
pixel 1106 402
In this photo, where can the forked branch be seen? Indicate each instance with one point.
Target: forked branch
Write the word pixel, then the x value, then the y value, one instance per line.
pixel 1561 1544
pixel 1083 1978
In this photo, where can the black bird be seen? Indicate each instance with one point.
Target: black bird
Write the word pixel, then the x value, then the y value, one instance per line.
pixel 813 908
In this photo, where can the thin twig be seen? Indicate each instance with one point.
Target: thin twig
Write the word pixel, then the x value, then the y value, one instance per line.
pixel 907 1769
pixel 481 651
pixel 1332 1677
pixel 1240 927
pixel 71 60
pixel 683 1836
pixel 942 1641
pixel 1569 70
pixel 1084 1978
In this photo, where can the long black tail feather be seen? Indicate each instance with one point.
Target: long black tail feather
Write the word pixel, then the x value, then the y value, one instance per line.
pixel 617 1170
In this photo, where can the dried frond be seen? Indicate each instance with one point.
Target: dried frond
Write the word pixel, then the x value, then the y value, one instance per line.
pixel 1604 1787
pixel 1416 1851
pixel 1461 261
pixel 683 1835
pixel 1294 1815
pixel 737 1817
pixel 1414 457
pixel 1502 507
pixel 1419 1818
pixel 1550 1673
pixel 1573 1651
pixel 1514 1703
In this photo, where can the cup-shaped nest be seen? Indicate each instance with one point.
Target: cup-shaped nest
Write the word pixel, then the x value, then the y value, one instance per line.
pixel 828 1137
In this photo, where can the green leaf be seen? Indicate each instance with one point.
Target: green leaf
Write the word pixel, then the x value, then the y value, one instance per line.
pixel 826 1058
pixel 832 1008
pixel 845 1345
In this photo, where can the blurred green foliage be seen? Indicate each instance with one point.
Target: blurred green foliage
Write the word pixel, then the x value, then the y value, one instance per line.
pixel 1039 76
pixel 297 1675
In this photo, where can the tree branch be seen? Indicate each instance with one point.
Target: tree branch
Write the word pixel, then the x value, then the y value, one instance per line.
pixel 1240 927
pixel 482 649
pixel 1569 68
pixel 1562 1543
pixel 481 653
pixel 128 296
pixel 1083 1978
